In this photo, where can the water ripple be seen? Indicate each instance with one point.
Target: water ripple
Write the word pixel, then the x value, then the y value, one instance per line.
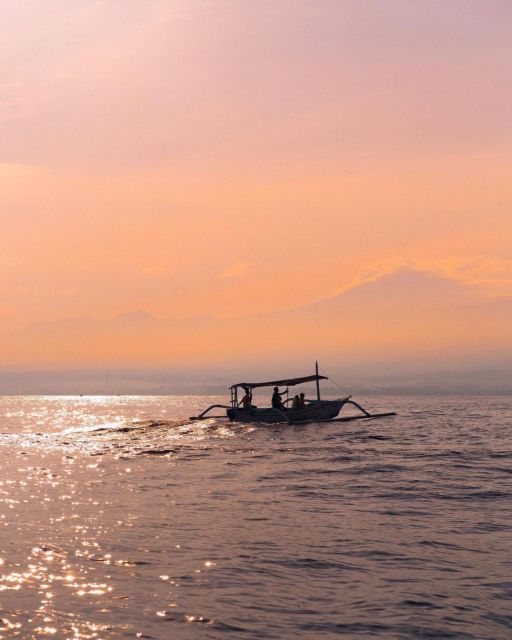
pixel 121 518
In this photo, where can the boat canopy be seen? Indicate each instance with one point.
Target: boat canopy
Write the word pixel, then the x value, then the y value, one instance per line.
pixel 290 382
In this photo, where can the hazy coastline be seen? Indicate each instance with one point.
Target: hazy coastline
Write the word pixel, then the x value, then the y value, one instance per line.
pixel 377 380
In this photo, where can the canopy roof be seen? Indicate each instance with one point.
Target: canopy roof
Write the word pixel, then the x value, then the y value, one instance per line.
pixel 290 382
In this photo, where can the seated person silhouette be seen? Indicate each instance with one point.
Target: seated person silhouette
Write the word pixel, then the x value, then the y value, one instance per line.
pixel 246 401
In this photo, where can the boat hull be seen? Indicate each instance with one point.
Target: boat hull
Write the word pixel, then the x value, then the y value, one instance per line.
pixel 313 411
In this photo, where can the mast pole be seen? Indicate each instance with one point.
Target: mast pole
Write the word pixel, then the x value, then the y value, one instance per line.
pixel 317 382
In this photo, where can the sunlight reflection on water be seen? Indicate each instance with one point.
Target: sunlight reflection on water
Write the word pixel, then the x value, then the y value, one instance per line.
pixel 119 518
pixel 103 424
pixel 79 574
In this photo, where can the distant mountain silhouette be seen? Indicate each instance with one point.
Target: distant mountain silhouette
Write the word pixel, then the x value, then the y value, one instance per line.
pixel 134 318
pixel 405 311
pixel 405 288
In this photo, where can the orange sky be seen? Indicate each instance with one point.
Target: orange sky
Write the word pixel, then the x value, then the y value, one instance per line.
pixel 231 158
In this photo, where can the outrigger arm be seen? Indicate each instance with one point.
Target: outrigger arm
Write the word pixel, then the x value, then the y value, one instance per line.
pixel 358 406
pixel 212 406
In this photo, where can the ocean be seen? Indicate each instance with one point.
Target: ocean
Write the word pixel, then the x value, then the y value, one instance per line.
pixel 120 518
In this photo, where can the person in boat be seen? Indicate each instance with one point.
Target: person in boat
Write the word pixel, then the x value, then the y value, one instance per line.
pixel 246 401
pixel 277 403
pixel 296 402
pixel 302 401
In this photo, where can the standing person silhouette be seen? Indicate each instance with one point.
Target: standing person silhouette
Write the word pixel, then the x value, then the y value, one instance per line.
pixel 277 403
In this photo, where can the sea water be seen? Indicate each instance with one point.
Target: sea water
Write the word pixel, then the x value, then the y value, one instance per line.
pixel 120 518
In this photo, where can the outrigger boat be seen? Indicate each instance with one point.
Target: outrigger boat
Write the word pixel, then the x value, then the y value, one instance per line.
pixel 314 411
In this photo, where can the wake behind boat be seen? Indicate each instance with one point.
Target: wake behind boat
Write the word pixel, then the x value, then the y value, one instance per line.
pixel 317 410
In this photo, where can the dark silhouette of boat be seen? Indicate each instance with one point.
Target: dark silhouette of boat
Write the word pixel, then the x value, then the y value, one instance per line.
pixel 317 410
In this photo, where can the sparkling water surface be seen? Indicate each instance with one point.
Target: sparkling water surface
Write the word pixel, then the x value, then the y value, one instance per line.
pixel 120 518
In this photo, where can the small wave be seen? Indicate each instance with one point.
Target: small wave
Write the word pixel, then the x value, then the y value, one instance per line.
pixel 420 603
pixel 374 468
pixel 126 439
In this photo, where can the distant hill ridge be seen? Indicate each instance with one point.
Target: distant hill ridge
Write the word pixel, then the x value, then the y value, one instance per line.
pixel 408 312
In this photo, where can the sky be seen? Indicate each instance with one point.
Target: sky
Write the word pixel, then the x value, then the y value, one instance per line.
pixel 187 182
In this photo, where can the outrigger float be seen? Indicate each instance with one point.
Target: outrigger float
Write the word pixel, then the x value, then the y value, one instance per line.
pixel 314 411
